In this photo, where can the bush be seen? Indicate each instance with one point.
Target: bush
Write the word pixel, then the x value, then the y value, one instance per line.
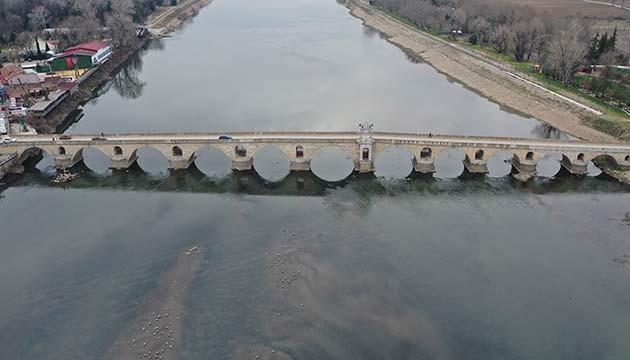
pixel 473 39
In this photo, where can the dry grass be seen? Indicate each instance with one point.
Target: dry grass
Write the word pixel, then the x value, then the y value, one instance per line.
pixel 563 8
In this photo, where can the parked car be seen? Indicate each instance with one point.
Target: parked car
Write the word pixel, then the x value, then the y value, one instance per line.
pixel 65 137
pixel 99 138
pixel 8 140
pixel 225 137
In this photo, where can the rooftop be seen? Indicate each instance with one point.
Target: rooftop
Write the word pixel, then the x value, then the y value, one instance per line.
pixel 92 46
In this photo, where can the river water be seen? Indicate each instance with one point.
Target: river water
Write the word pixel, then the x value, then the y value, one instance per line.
pixel 392 267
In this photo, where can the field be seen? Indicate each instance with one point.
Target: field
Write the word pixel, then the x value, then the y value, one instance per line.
pixel 563 8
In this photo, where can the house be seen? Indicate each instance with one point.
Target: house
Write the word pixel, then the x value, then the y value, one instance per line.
pixel 101 51
pixel 83 56
pixel 13 75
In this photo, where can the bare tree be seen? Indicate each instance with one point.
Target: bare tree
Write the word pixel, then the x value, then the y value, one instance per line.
pixel 536 36
pixel 120 22
pixel 39 18
pixel 520 39
pixel 566 50
pixel 608 60
pixel 500 38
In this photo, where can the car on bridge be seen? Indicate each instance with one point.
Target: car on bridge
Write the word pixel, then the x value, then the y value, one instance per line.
pixel 65 137
pixel 225 137
pixel 8 140
pixel 99 138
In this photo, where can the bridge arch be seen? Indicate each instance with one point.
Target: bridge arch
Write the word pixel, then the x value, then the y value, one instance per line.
pixel 151 160
pixel 299 151
pixel 213 162
pixel 333 163
pixel 117 151
pixel 271 162
pixel 32 151
pixel 394 162
pixel 177 151
pixel 240 150
pixel 61 150
pixel 95 159
pixel 426 153
pixel 479 154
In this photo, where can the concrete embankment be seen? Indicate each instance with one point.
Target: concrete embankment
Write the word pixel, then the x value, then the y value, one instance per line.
pixel 488 78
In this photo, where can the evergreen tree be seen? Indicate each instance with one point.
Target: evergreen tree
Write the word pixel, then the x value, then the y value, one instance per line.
pixel 593 50
pixel 612 43
pixel 39 50
pixel 603 44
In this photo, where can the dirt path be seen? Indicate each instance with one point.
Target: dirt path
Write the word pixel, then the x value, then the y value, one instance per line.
pixel 482 75
pixel 156 333
pixel 169 18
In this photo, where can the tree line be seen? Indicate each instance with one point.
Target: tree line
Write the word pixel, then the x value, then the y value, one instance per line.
pixel 559 45
pixel 71 21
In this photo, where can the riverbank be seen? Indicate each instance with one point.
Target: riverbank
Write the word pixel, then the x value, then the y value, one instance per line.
pixel 485 76
pixel 169 18
pixel 165 20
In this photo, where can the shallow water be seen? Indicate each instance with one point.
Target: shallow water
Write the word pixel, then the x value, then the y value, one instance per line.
pixel 459 269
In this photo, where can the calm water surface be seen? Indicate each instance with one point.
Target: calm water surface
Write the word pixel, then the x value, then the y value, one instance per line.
pixel 288 65
pixel 409 268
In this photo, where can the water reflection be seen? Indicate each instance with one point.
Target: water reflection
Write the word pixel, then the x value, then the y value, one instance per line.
pixel 315 68
pixel 127 82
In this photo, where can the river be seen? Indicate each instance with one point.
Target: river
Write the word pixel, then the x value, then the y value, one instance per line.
pixel 290 266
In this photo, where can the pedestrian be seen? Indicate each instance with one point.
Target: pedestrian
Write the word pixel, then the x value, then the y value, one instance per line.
pixel 102 135
pixel 430 135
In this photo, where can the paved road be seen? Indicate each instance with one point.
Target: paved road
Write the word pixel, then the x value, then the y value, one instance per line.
pixel 435 140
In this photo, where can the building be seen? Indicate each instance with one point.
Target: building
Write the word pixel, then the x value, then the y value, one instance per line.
pixel 82 56
pixel 12 75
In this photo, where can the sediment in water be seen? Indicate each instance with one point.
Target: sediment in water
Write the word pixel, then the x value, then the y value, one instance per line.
pixel 157 330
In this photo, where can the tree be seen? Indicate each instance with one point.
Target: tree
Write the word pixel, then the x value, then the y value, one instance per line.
pixel 566 50
pixel 608 60
pixel 520 39
pixel 500 38
pixel 39 18
pixel 593 50
pixel 120 22
pixel 536 35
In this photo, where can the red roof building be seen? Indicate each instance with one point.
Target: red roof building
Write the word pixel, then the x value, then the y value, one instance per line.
pixel 92 47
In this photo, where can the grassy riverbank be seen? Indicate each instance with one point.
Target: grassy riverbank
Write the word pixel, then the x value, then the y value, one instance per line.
pixel 487 72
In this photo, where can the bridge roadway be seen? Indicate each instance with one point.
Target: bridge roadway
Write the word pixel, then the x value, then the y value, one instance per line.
pixel 180 149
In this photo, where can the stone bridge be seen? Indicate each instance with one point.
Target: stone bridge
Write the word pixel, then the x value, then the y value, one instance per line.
pixel 181 149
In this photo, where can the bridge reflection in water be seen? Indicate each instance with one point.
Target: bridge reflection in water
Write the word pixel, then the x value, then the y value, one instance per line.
pixel 362 150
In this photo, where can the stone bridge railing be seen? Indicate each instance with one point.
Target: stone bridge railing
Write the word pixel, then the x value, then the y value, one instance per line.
pixel 181 149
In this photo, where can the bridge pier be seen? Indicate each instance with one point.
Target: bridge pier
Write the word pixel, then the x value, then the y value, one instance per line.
pixel 475 166
pixel 300 165
pixel 577 167
pixel 120 162
pixel 424 166
pixel 180 162
pixel 523 170
pixel 66 161
pixel 242 164
pixel 364 166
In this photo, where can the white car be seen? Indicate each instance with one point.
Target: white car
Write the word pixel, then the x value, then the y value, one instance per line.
pixel 8 140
